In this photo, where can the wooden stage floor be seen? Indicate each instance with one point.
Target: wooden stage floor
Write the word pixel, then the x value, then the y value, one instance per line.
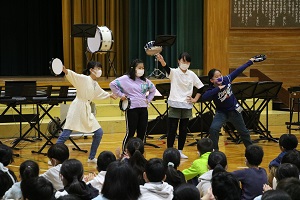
pixel 234 152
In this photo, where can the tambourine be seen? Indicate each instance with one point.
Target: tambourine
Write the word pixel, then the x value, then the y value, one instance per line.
pixel 56 66
pixel 124 104
pixel 259 58
pixel 152 50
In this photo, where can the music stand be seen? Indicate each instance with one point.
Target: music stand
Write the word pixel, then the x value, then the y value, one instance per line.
pixel 164 89
pixel 241 91
pixel 84 31
pixel 265 90
pixel 162 40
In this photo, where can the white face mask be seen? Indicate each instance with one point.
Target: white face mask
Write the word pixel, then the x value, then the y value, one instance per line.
pixel 98 73
pixel 139 72
pixel 184 66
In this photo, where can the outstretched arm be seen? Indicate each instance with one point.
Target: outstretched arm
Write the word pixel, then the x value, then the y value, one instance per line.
pixel 239 70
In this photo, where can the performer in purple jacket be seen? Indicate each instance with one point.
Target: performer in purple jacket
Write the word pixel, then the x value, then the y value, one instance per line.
pixel 134 86
pixel 228 108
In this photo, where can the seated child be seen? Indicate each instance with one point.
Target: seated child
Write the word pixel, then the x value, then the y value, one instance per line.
pixel 287 142
pixel 254 177
pixel 57 154
pixel 7 177
pixel 37 188
pixel 216 160
pixel 28 169
pixel 171 158
pixel 199 166
pixel 155 187
pixel 104 159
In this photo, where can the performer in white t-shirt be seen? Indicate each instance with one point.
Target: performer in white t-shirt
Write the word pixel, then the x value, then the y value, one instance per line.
pixel 180 99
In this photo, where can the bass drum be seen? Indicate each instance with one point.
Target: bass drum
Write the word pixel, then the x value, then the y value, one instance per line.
pixel 103 40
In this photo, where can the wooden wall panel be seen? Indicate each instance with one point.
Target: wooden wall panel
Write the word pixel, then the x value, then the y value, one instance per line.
pixel 226 48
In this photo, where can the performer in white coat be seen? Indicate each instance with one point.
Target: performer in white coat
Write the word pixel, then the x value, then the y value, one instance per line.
pixel 80 117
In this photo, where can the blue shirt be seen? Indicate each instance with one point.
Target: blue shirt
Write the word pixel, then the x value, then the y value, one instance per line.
pixel 224 99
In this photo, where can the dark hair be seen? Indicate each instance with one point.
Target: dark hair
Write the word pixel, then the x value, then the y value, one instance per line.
pixel 292 157
pixel 171 157
pixel 29 169
pixel 6 155
pixel 225 186
pixel 286 170
pixel 186 191
pixel 211 74
pixel 36 188
pixel 59 151
pixel 288 141
pixel 72 172
pixel 6 181
pixel 185 56
pixel 155 170
pixel 217 161
pixel 254 154
pixel 135 147
pixel 120 182
pixel 104 159
pixel 290 186
pixel 275 195
pixel 131 71
pixel 91 64
pixel 205 145
pixel 69 197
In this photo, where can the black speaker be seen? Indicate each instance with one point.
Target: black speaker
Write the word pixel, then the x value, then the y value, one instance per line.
pixel 200 123
pixel 158 125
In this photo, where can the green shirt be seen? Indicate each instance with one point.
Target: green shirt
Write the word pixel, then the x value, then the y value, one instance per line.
pixel 198 167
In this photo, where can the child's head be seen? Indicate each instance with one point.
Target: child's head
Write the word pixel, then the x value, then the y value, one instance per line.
pixel 214 76
pixel 292 157
pixel 134 144
pixel 254 155
pixel 29 169
pixel 71 170
pixel 275 195
pixel 154 170
pixel 104 159
pixel 120 182
pixel 58 153
pixel 225 186
pixel 171 156
pixel 290 186
pixel 288 142
pixel 217 161
pixel 186 191
pixel 286 170
pixel 37 188
pixel 6 155
pixel 205 145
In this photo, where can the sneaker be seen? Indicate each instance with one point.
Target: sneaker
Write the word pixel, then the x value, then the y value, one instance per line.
pixel 94 160
pixel 49 163
pixel 182 155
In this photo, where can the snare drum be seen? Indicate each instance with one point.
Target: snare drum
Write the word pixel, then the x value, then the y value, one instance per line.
pixel 56 66
pixel 124 104
pixel 103 40
pixel 152 50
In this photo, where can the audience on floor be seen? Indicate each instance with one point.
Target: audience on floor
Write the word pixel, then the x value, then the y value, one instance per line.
pixel 130 176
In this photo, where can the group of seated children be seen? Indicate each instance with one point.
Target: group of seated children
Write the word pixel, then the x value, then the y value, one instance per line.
pixel 133 177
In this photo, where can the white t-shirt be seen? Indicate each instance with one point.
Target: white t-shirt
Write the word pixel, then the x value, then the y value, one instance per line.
pixel 52 175
pixel 182 85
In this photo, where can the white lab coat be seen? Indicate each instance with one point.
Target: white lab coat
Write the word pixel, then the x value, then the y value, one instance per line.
pixel 80 117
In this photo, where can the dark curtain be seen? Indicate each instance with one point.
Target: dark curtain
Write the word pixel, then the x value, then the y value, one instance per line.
pixel 150 18
pixel 31 34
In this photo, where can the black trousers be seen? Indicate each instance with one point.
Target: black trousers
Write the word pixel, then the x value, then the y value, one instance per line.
pixel 173 124
pixel 136 121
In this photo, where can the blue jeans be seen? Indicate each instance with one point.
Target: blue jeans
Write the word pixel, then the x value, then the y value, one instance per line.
pixel 95 144
pixel 237 121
